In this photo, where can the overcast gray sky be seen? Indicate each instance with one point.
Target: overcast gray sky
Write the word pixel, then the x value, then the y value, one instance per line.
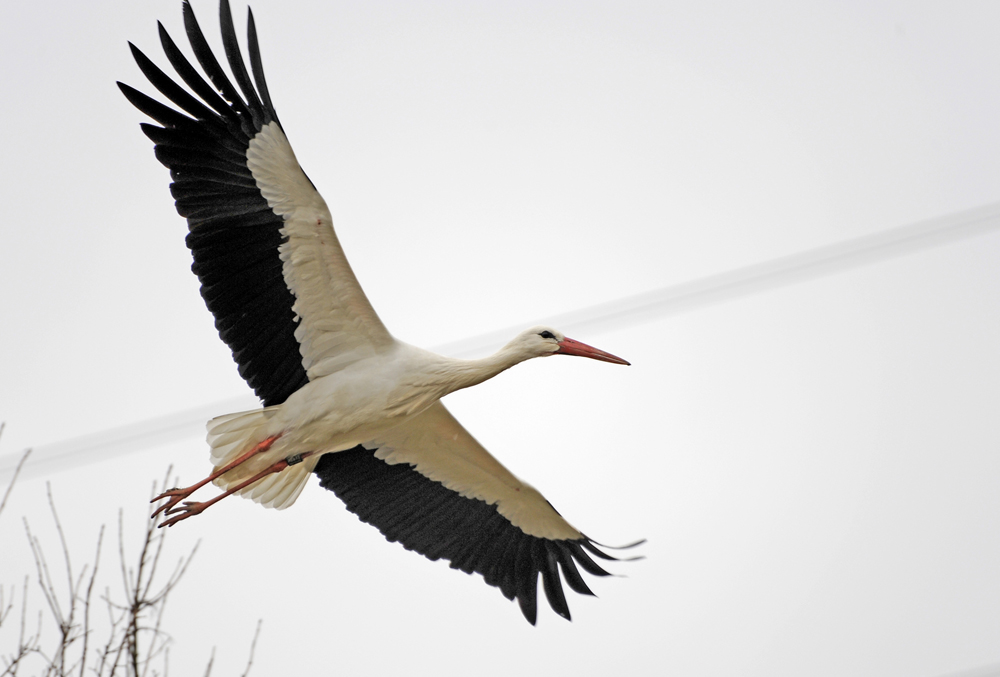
pixel 815 467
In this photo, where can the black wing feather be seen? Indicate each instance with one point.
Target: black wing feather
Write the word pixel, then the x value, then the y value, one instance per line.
pixel 526 582
pixel 257 67
pixel 214 71
pixel 166 116
pixel 169 88
pixel 548 562
pixel 588 564
pixel 193 140
pixel 424 516
pixel 191 78
pixel 572 574
pixel 233 234
pixel 236 65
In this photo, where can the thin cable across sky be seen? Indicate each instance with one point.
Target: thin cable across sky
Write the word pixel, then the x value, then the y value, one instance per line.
pixel 627 311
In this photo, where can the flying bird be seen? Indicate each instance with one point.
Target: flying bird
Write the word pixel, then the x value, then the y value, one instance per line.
pixel 342 397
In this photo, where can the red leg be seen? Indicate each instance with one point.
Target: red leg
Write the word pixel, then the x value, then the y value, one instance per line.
pixel 193 508
pixel 178 495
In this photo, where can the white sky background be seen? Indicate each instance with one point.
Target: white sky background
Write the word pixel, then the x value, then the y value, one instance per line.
pixel 815 468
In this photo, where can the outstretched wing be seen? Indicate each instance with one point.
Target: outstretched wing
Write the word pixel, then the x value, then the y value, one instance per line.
pixel 271 268
pixel 429 485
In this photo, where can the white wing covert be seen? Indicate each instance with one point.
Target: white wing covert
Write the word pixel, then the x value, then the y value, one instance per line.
pixel 337 323
pixel 440 449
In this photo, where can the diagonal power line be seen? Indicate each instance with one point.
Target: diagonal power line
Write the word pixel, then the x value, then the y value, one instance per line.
pixel 759 277
pixel 631 310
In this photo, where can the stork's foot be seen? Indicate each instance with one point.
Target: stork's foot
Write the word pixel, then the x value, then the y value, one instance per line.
pixel 178 495
pixel 175 496
pixel 183 512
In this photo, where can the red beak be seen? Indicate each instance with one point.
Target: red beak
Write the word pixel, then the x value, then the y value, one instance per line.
pixel 570 347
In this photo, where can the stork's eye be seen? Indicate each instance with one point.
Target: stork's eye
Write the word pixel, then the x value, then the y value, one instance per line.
pixel 546 334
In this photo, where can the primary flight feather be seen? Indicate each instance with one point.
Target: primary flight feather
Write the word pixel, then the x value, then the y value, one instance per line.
pixel 342 397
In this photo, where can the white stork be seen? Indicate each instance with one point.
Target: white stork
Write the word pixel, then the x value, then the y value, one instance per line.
pixel 342 397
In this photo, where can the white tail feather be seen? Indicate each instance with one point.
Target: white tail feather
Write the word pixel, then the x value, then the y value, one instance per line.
pixel 280 490
pixel 234 434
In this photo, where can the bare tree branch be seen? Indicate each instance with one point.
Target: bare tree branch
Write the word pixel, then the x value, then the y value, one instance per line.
pixel 86 602
pixel 131 642
pixel 211 662
pixel 253 646
pixel 17 471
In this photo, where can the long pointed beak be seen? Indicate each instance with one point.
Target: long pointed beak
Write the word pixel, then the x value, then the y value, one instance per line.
pixel 570 347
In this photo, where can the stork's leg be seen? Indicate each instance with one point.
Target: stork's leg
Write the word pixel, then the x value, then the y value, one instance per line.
pixel 193 508
pixel 178 495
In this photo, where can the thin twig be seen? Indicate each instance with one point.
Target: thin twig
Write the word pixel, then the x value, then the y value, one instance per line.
pixel 104 653
pixel 6 605
pixel 65 624
pixel 121 556
pixel 135 604
pixel 86 602
pixel 44 579
pixel 211 660
pixel 17 471
pixel 253 646
pixel 24 647
pixel 151 528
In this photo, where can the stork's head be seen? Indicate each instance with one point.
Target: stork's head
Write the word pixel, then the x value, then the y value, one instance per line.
pixel 545 341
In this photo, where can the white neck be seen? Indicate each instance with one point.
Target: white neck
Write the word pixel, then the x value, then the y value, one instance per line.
pixel 458 374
